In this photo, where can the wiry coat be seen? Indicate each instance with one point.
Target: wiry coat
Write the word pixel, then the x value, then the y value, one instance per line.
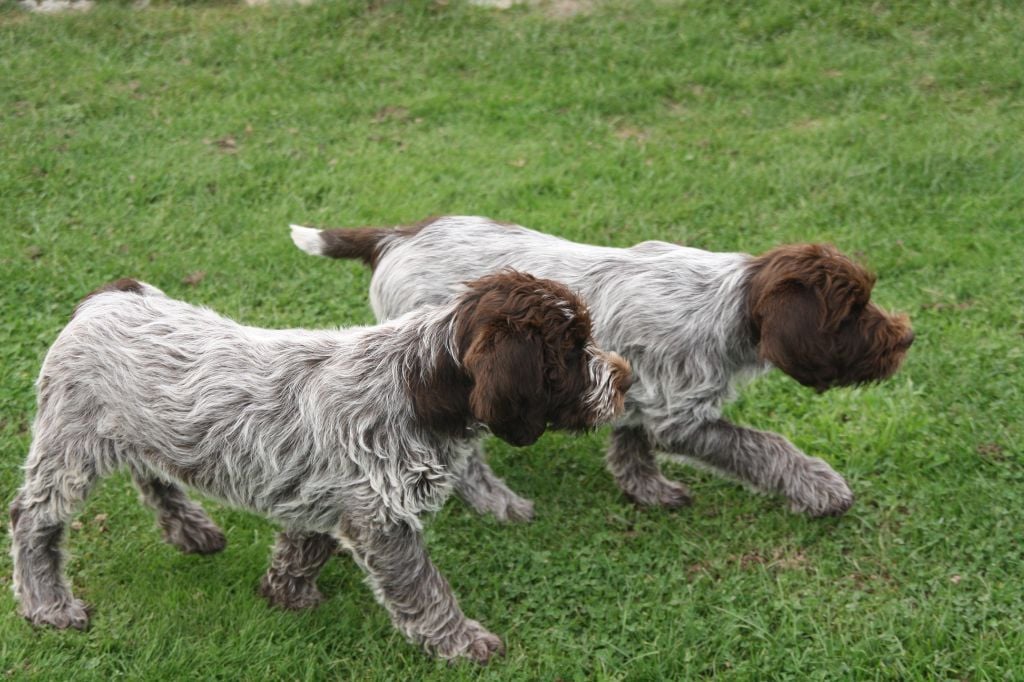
pixel 339 435
pixel 694 324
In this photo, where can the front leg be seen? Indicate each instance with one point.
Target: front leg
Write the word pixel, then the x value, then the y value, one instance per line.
pixel 415 593
pixel 631 461
pixel 768 462
pixel 481 489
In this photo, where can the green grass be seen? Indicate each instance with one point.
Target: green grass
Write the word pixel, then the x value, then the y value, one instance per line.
pixel 184 138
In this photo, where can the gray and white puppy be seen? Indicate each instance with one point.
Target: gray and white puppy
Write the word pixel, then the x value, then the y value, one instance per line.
pixel 342 436
pixel 692 323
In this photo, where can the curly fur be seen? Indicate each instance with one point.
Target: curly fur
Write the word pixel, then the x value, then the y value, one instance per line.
pixel 693 324
pixel 342 436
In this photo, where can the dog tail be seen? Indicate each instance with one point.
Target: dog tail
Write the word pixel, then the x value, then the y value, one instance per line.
pixel 367 244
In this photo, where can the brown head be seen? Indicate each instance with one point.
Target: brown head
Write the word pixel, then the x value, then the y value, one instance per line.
pixel 525 345
pixel 812 316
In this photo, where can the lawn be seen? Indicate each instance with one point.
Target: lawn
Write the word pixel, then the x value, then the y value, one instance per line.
pixel 174 144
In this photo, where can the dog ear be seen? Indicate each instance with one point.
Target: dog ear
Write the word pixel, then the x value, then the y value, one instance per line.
pixel 508 385
pixel 792 338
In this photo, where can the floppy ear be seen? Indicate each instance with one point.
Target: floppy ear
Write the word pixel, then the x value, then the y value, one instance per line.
pixel 508 386
pixel 792 338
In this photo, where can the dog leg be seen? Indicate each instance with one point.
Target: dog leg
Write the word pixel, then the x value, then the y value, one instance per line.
pixel 482 490
pixel 416 595
pixel 290 582
pixel 631 461
pixel 53 488
pixel 185 525
pixel 770 463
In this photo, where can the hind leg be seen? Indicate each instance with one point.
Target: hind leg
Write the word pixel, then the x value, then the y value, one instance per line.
pixel 631 461
pixel 185 525
pixel 290 583
pixel 55 485
pixel 481 489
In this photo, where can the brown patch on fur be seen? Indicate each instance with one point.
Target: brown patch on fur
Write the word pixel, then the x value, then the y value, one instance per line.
pixel 523 364
pixel 622 372
pixel 622 379
pixel 365 243
pixel 812 317
pixel 124 284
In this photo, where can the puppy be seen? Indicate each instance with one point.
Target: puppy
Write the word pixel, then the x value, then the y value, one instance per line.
pixel 342 436
pixel 693 324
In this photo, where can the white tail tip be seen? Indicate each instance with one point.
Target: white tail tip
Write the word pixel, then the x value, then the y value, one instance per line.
pixel 308 239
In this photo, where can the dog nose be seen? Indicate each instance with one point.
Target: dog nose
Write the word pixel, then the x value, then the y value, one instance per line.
pixel 907 340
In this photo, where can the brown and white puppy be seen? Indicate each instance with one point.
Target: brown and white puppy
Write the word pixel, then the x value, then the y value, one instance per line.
pixel 693 324
pixel 341 436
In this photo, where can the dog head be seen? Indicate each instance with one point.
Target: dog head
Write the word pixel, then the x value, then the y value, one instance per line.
pixel 526 345
pixel 813 318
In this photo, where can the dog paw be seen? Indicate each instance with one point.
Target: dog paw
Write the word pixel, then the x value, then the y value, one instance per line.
pixel 656 491
pixel 504 504
pixel 819 491
pixel 196 538
pixel 484 647
pixel 291 594
pixel 72 613
pixel 516 510
pixel 471 641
